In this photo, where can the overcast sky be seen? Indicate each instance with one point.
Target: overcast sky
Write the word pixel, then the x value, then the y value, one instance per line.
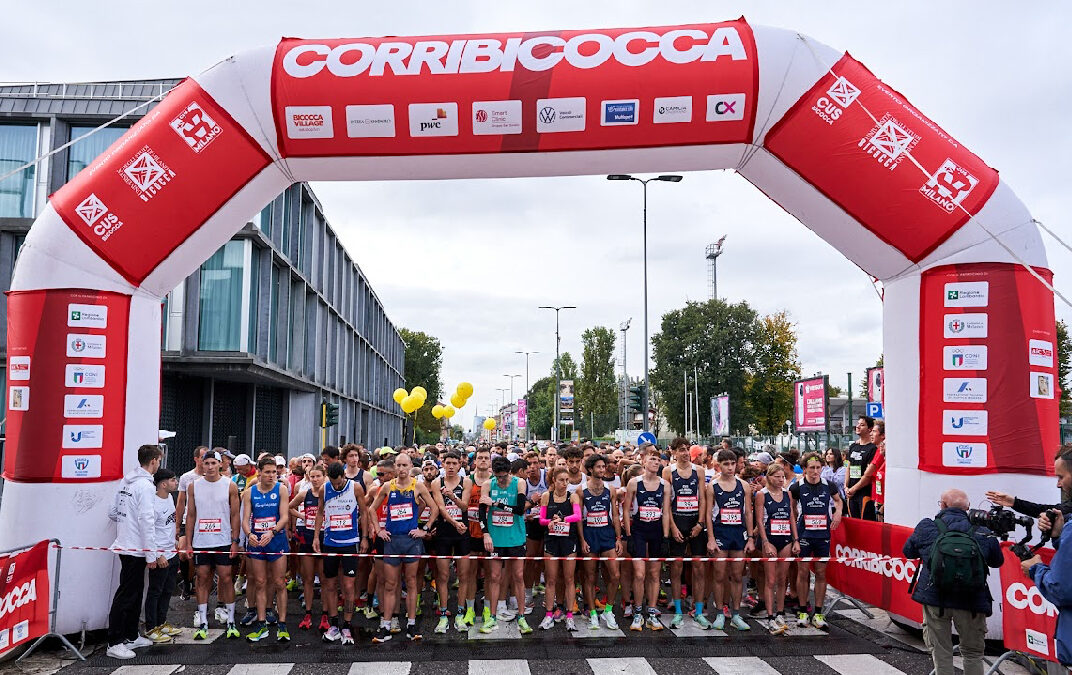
pixel 470 261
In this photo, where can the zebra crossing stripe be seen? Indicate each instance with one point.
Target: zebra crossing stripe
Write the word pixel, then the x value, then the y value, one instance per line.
pixel 145 670
pixel 623 666
pixel 261 669
pixel 858 663
pixel 507 667
pixel 740 665
pixel 380 668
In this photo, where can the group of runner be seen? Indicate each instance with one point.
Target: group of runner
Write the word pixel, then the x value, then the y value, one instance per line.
pixel 514 521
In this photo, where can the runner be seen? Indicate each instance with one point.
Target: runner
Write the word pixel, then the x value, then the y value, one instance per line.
pixel 777 530
pixel 303 509
pixel 502 507
pixel 647 534
pixel 265 514
pixel 536 482
pixel 574 460
pixel 451 493
pixel 385 473
pixel 731 513
pixel 858 487
pixel 467 584
pixel 213 511
pixel 189 575
pixel 688 532
pixel 820 508
pixel 341 518
pixel 629 471
pixel 560 510
pixel 601 537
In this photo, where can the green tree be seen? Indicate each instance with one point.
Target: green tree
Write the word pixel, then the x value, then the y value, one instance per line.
pixel 597 396
pixel 777 365
pixel 834 391
pixel 540 409
pixel 569 367
pixel 716 341
pixel 424 361
pixel 457 432
pixel 1064 363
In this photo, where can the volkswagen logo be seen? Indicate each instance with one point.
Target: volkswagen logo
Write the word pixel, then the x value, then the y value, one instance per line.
pixel 547 114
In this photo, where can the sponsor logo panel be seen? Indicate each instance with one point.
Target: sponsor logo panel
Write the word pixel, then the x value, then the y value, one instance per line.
pixel 964 390
pixel 965 326
pixel 889 141
pixel 83 376
pixel 618 113
pixel 18 398
pixel 81 466
pixel 146 173
pixel 95 214
pixel 1041 385
pixel 555 115
pixel 831 105
pixel 1037 641
pixel 492 118
pixel 370 121
pixel 967 294
pixel 83 435
pixel 196 127
pixel 1040 353
pixel 87 346
pixel 309 121
pixel 672 109
pixel 83 405
pixel 949 186
pixel 18 368
pixel 968 357
pixel 433 119
pixel 964 454
pixel 87 316
pixel 725 107
pixel 964 422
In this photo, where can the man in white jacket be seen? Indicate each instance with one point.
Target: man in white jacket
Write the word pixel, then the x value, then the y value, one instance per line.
pixel 133 514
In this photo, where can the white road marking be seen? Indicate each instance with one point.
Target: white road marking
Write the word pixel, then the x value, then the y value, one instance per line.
pixel 626 666
pixel 380 668
pixel 740 665
pixel 261 669
pixel 145 670
pixel 508 667
pixel 859 663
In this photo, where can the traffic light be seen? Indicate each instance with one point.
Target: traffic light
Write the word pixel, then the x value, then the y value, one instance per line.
pixel 329 414
pixel 636 397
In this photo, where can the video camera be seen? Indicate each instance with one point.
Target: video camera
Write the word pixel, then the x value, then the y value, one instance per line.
pixel 1002 521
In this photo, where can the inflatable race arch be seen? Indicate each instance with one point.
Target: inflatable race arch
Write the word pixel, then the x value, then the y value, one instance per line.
pixel 968 327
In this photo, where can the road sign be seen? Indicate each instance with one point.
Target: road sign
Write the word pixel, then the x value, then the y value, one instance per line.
pixel 646 437
pixel 874 409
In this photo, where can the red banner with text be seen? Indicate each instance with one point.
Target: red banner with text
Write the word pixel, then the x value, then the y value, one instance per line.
pixel 851 137
pixel 1028 620
pixel 516 92
pixel 24 596
pixel 882 583
pixel 810 404
pixel 988 371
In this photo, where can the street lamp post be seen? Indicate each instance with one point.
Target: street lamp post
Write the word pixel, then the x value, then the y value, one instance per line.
pixel 558 367
pixel 526 387
pixel 647 339
pixel 624 398
pixel 502 398
pixel 513 424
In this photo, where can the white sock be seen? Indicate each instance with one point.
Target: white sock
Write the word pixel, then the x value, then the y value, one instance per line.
pixel 202 614
pixel 513 602
pixel 230 612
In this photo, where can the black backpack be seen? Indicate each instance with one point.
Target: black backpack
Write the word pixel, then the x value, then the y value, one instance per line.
pixel 957 564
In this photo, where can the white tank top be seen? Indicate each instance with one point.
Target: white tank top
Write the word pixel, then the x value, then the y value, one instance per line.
pixel 213 504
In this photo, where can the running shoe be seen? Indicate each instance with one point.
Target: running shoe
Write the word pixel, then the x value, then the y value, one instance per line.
pixel 559 615
pixel 247 619
pixel 571 626
pixel 239 585
pixel 608 618
pixel 739 623
pixel 370 613
pixel 325 625
pixel 140 642
pixel 292 584
pixel 232 631
pixel 654 623
pixel 530 605
pixel 281 632
pixel 307 622
pixel 802 619
pixel 158 636
pixel 201 632
pixel 720 621
pixel 443 625
pixel 701 621
pixel 395 628
pixel 221 614
pixel 381 636
pixel 539 588
pixel 171 630
pixel 489 625
pixel 523 626
pixel 333 634
pixel 638 623
pixel 120 651
pixel 760 612
pixel 460 625
pixel 347 637
pixel 412 634
pixel 599 604
pixel 593 621
pixel 627 611
pixel 259 633
pixel 271 617
pixel 470 617
pixel 780 620
pixel 775 628
pixel 507 615
pixel 677 621
pixel 548 623
pixel 819 621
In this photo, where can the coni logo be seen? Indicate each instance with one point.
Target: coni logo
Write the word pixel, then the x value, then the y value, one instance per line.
pixel 80 463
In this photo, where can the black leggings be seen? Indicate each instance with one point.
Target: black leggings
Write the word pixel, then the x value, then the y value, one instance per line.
pixel 158 594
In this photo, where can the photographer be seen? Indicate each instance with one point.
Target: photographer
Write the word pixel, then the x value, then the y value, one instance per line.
pixel 1054 581
pixel 953 590
pixel 1064 484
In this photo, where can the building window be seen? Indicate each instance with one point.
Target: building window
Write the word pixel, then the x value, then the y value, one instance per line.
pixel 262 220
pixel 220 327
pixel 254 298
pixel 18 146
pixel 273 322
pixel 82 153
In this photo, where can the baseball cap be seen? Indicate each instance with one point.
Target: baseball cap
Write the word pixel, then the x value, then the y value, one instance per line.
pixel 387 450
pixel 512 456
pixel 309 456
pixel 280 460
pixel 239 460
pixel 228 454
pixel 430 462
pixel 695 452
pixel 763 457
pixel 212 454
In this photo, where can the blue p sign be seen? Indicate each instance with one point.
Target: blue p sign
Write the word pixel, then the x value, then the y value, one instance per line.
pixel 874 410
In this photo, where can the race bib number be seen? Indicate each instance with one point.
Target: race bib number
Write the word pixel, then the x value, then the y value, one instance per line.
pixel 878 488
pixel 339 522
pixel 814 521
pixel 855 472
pixel 688 504
pixel 474 513
pixel 649 514
pixel 597 519
pixel 558 528
pixel 261 525
pixel 209 526
pixel 424 514
pixel 310 513
pixel 502 518
pixel 730 517
pixel 401 511
pixel 780 528
pixel 454 511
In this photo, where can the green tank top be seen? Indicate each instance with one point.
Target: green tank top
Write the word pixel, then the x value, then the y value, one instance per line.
pixel 506 527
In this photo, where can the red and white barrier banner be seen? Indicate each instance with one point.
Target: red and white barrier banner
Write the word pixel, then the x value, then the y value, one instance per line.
pixel 71 433
pixel 24 596
pixel 851 136
pixel 878 575
pixel 987 363
pixel 516 92
pixel 1028 620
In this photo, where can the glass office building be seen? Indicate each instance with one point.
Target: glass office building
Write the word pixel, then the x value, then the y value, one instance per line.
pixel 277 320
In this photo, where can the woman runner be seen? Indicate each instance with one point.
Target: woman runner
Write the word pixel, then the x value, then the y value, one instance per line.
pixel 778 532
pixel 560 510
pixel 303 509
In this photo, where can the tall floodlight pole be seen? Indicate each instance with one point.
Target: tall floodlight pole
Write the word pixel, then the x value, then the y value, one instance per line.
pixel 558 367
pixel 520 351
pixel 624 396
pixel 511 401
pixel 712 252
pixel 647 338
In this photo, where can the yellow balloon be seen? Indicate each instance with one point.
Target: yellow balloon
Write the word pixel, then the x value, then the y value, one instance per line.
pixel 465 389
pixel 410 403
pixel 419 391
pixel 438 411
pixel 448 412
pixel 457 400
pixel 489 424
pixel 400 394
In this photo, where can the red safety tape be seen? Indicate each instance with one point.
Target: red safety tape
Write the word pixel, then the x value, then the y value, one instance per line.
pixel 426 556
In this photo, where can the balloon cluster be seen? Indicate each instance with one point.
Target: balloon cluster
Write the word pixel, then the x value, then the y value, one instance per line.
pixel 413 400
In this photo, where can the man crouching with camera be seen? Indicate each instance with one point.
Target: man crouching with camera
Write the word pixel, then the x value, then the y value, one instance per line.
pixel 951 582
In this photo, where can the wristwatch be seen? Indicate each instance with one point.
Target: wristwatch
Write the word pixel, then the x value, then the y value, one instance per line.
pixel 236 540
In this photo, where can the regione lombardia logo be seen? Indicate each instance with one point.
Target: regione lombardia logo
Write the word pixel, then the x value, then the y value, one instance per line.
pixel 196 127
